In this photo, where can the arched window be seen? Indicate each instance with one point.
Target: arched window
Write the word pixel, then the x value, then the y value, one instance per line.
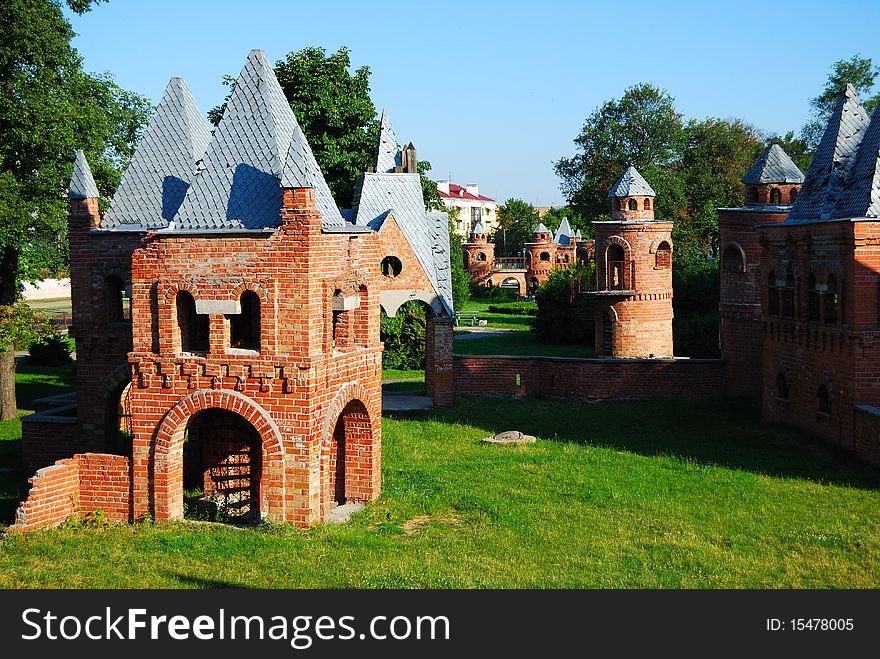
pixel 193 327
pixel 481 256
pixel 792 195
pixel 775 197
pixel 391 266
pixel 663 256
pixel 732 259
pixel 545 256
pixel 633 205
pixel 244 328
pixel 824 400
pixel 832 300
pixel 647 204
pixel 752 194
pixel 772 294
pixel 615 265
pixel 781 386
pixel 812 298
pixel 116 299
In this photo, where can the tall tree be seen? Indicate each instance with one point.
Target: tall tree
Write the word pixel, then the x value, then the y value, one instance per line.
pixel 643 129
pixel 49 107
pixel 516 220
pixel 334 110
pixel 857 71
pixel 715 155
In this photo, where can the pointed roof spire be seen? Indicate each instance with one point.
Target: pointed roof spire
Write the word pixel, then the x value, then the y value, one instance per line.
pixel 239 186
pixel 478 227
pixel 833 160
pixel 563 233
pixel 540 229
pixel 387 156
pixel 860 196
pixel 82 183
pixel 631 184
pixel 301 170
pixel 774 166
pixel 163 164
pixel 578 234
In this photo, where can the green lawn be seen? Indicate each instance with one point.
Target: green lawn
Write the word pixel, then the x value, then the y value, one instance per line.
pixel 614 494
pixel 497 320
pixel 515 343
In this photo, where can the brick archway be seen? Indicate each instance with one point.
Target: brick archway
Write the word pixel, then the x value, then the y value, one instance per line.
pixel 111 383
pixel 347 442
pixel 167 451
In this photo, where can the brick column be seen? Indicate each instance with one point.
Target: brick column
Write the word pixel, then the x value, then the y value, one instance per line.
pixel 438 361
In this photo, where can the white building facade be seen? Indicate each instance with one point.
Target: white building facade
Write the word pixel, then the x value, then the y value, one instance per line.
pixel 472 206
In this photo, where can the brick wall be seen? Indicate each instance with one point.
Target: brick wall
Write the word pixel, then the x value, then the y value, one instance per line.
pixel 73 488
pixel 589 378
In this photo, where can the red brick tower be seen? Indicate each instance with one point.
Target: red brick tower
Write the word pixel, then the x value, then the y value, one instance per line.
pixel 774 177
pixel 479 254
pixel 634 274
pixel 540 257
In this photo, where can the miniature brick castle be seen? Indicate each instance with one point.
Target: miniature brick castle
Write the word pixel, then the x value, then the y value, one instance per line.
pixel 226 315
pixel 524 274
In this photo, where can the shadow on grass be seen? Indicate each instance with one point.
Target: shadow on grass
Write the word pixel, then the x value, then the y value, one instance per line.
pixel 13 490
pixel 199 582
pixel 726 434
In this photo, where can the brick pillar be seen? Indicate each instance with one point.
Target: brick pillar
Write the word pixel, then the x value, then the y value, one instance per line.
pixel 438 361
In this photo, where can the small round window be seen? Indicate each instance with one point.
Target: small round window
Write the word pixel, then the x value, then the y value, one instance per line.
pixel 391 266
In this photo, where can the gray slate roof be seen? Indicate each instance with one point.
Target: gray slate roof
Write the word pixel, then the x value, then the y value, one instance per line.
pixel 564 234
pixel 860 196
pixel 631 184
pixel 833 160
pixel 380 194
pixel 774 166
pixel 387 156
pixel 256 145
pixel 82 183
pixel 478 227
pixel 540 229
pixel 163 164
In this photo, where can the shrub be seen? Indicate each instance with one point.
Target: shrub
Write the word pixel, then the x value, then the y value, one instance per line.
pixel 53 351
pixel 404 337
pixel 559 319
pixel 695 334
pixel 696 282
pixel 514 309
pixel 493 292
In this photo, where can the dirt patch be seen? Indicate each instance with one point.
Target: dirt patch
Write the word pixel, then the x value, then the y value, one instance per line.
pixel 412 525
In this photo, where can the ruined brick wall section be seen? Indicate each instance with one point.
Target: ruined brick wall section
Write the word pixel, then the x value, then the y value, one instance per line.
pixel 74 488
pixel 589 378
pixel 742 327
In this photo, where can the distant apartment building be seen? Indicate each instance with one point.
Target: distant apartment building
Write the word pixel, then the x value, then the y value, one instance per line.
pixel 472 206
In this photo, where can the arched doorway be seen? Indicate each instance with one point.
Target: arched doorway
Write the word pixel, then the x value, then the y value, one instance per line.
pixel 222 467
pixel 608 319
pixel 511 284
pixel 345 461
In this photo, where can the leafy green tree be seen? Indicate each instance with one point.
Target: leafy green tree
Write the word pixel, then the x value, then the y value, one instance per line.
pixel 404 337
pixel 48 108
pixel 461 282
pixel 516 220
pixel 334 110
pixel 559 318
pixel 553 218
pixel 858 71
pixel 643 129
pixel 716 154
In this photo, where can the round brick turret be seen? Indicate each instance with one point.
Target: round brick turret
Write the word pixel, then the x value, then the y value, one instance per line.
pixel 479 254
pixel 633 294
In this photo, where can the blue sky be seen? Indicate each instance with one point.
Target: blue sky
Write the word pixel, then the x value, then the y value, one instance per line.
pixel 494 92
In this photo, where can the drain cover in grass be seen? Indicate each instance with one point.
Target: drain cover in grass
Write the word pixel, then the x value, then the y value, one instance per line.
pixel 510 437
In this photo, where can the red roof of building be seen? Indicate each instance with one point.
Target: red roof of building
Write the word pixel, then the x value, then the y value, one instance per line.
pixel 458 192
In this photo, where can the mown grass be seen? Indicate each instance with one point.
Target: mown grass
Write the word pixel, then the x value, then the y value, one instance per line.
pixel 497 320
pixel 515 343
pixel 615 494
